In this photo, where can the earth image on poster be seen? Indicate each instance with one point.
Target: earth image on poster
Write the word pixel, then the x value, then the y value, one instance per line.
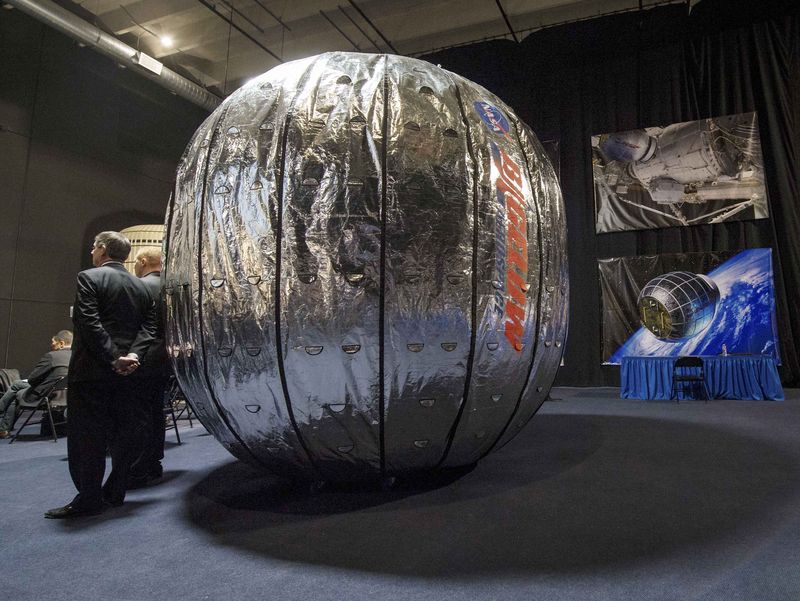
pixel 744 320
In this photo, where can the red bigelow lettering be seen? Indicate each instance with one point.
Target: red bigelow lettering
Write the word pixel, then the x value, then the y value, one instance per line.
pixel 510 182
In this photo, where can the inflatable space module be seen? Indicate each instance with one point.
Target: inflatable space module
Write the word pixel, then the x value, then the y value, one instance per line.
pixel 365 270
pixel 678 305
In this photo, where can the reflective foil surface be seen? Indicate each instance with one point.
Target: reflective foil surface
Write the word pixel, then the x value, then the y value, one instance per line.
pixel 365 270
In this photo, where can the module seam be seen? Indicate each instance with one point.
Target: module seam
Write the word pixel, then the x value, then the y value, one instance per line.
pixel 382 271
pixel 200 223
pixel 474 302
pixel 539 223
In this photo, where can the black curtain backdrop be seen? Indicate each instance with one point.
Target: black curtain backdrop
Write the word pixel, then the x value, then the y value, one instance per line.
pixel 655 67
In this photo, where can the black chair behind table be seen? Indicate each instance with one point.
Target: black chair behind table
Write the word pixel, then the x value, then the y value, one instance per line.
pixel 51 401
pixel 688 372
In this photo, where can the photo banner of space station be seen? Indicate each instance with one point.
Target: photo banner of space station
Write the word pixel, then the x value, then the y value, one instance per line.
pixel 705 171
pixel 712 303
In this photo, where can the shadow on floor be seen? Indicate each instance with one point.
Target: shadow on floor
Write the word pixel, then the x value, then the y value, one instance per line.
pixel 570 493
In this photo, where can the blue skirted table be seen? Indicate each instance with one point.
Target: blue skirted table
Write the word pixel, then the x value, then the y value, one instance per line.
pixel 750 377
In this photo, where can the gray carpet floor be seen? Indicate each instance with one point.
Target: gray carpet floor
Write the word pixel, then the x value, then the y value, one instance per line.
pixel 597 499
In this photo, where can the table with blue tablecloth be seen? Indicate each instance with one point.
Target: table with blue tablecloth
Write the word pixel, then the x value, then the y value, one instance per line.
pixel 751 377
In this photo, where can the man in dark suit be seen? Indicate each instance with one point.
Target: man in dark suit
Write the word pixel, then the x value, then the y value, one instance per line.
pixel 114 319
pixel 154 374
pixel 51 367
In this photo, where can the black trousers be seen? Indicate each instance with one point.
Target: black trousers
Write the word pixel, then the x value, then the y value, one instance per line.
pixel 151 445
pixel 102 415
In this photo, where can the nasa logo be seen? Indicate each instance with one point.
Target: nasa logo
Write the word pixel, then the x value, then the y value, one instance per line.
pixel 492 117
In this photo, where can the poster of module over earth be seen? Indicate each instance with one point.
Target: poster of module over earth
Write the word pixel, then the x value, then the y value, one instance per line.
pixel 688 304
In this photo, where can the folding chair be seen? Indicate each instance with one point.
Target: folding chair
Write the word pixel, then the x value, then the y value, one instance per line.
pixel 169 413
pixel 688 370
pixel 44 400
pixel 187 409
pixel 178 400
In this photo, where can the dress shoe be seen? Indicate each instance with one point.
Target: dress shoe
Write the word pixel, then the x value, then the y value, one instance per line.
pixel 112 500
pixel 135 482
pixel 139 481
pixel 72 511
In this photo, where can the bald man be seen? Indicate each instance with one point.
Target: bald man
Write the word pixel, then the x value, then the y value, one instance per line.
pixel 155 371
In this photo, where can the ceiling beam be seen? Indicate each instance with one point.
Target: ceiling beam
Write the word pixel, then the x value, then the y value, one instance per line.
pixel 371 24
pixel 357 26
pixel 242 15
pixel 273 15
pixel 213 8
pixel 344 35
pixel 146 12
pixel 508 23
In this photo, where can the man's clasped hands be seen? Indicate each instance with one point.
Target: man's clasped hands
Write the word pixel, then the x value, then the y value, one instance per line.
pixel 126 365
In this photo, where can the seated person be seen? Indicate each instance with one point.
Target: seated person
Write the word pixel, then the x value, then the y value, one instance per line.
pixel 43 375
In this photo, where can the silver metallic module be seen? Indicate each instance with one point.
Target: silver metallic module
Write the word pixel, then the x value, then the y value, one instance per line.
pixel 366 270
pixel 678 305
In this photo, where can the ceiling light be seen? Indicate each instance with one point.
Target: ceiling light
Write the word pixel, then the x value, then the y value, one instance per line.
pixel 166 41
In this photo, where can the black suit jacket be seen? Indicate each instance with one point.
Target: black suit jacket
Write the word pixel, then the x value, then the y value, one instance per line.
pixel 156 360
pixel 113 315
pixel 50 368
